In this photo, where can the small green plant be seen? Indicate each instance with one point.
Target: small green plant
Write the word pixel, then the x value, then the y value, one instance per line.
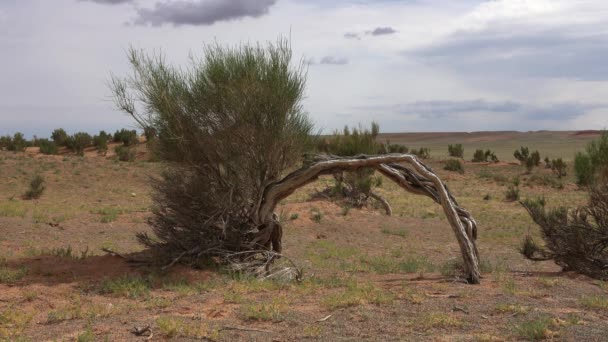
pixel 388 147
pixel 100 142
pixel 593 163
pixel 316 216
pixel 595 302
pixel 454 165
pixel 262 312
pixel 535 330
pixel 125 153
pixel 512 194
pixel 487 197
pixel 10 275
pixel 36 188
pixel 422 153
pixel 294 216
pixel 484 156
pixel 456 150
pixel 109 214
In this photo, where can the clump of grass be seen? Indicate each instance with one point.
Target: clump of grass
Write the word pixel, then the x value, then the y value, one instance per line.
pixel 535 330
pixel 36 188
pixel 357 294
pixel 398 231
pixel 172 327
pixel 316 215
pixel 13 208
pixel 86 336
pixel 9 275
pixel 265 312
pixel 595 302
pixel 439 320
pixel 512 194
pixel 512 308
pixel 127 286
pixel 294 216
pixel 13 323
pixel 109 214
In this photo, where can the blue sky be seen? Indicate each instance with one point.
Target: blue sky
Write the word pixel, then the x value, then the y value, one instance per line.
pixel 412 65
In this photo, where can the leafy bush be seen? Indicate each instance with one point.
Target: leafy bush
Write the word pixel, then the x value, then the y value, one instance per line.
pixel 484 156
pixel 529 160
pixel 47 146
pixel 456 150
pixel 227 126
pixel 17 143
pixel 454 165
pixel 124 153
pixel 60 137
pixel 593 163
pixel 393 148
pixel 126 137
pixel 36 188
pixel 575 239
pixel 5 142
pixel 559 167
pixel 522 154
pixel 79 141
pixel 100 142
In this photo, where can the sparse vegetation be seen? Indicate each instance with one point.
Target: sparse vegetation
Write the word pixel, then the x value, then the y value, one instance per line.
pixel 481 156
pixel 512 194
pixel 593 163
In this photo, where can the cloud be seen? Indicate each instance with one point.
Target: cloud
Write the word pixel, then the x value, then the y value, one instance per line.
pixel 201 12
pixel 110 2
pixel 546 39
pixel 352 35
pixel 446 110
pixel 380 31
pixel 334 60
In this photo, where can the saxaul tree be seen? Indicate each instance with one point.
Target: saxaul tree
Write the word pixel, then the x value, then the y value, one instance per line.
pixel 227 127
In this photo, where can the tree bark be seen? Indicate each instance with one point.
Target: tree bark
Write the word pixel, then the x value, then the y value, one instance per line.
pixel 418 179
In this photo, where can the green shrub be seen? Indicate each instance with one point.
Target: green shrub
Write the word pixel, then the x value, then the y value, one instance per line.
pixel 60 137
pixel 593 163
pixel 484 156
pixel 422 153
pixel 454 165
pixel 36 188
pixel 456 150
pixel 125 153
pixel 17 143
pixel 575 239
pixel 388 147
pixel 126 137
pixel 79 141
pixel 101 142
pixel 559 167
pixel 5 142
pixel 47 146
pixel 522 154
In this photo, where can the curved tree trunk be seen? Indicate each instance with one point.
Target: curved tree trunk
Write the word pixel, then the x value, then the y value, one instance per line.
pixel 419 179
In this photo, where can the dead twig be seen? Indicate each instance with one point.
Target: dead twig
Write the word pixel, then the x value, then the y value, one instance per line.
pixel 323 319
pixel 142 331
pixel 226 327
pixel 458 308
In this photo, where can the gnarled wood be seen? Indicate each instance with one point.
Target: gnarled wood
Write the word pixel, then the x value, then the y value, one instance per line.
pixel 419 179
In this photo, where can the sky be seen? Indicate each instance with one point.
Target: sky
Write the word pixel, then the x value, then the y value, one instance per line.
pixel 410 65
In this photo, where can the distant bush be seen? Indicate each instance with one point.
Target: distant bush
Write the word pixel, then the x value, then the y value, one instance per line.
pixel 125 153
pixel 100 142
pixel 547 163
pixel 529 160
pixel 79 141
pixel 17 143
pixel 454 165
pixel 47 146
pixel 484 156
pixel 36 188
pixel 593 163
pixel 422 153
pixel 393 148
pixel 456 150
pixel 5 141
pixel 574 239
pixel 60 137
pixel 126 137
